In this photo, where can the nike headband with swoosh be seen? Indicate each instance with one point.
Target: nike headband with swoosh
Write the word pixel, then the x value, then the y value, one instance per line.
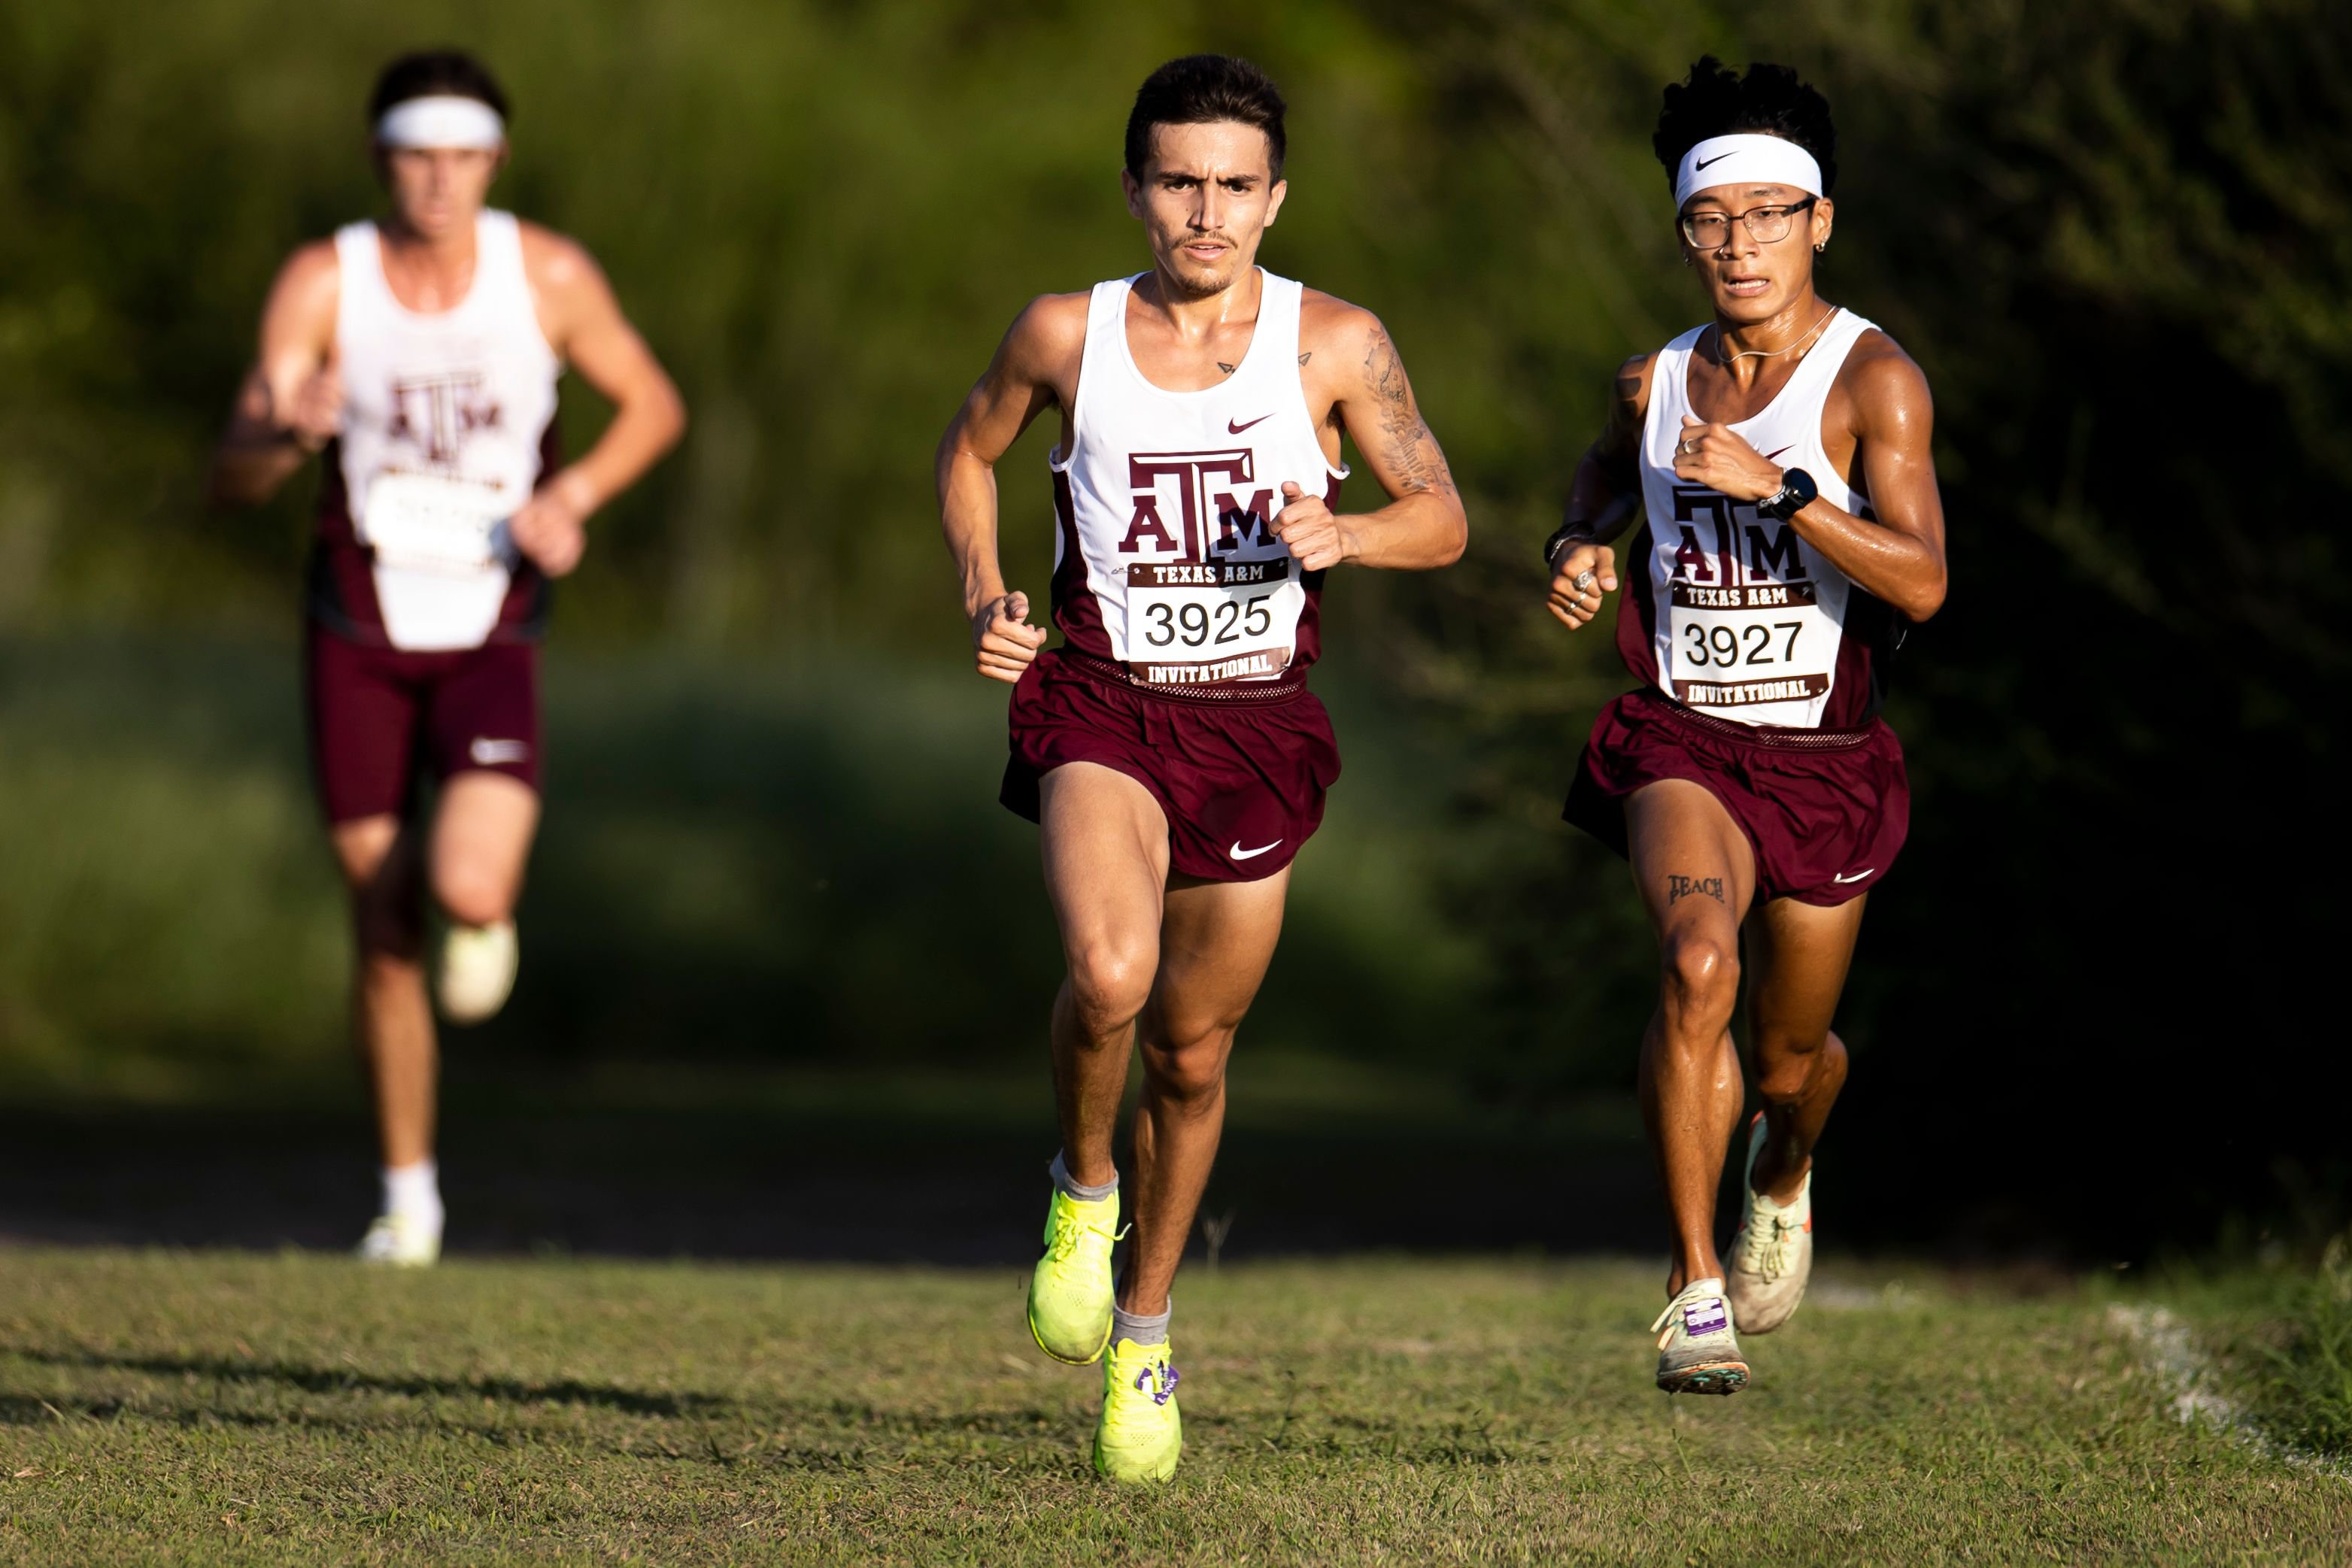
pixel 1746 160
pixel 443 120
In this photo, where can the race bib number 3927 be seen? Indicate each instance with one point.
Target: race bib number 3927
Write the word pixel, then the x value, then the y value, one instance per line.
pixel 1743 625
pixel 1197 623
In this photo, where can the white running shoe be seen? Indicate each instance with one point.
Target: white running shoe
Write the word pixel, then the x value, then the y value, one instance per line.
pixel 401 1241
pixel 1772 1256
pixel 1698 1353
pixel 475 971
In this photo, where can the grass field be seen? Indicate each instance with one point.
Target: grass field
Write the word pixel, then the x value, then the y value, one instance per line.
pixel 225 1408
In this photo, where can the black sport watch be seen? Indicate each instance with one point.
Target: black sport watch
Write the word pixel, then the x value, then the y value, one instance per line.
pixel 1798 491
pixel 1567 534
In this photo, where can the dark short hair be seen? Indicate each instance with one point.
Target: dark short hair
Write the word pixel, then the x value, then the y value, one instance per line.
pixel 1201 89
pixel 1716 100
pixel 435 73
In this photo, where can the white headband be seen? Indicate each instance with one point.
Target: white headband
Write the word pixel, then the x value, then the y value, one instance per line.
pixel 1746 160
pixel 443 121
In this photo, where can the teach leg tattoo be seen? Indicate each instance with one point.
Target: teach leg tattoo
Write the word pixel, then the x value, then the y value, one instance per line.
pixel 1680 887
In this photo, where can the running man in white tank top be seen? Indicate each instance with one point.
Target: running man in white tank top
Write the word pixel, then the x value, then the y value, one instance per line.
pixel 1169 749
pixel 421 355
pixel 1780 458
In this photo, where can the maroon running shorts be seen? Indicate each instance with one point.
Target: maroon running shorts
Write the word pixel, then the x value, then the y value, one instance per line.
pixel 1825 812
pixel 1240 779
pixel 377 713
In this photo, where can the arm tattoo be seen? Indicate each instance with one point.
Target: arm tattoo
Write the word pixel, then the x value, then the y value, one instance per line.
pixel 1680 887
pixel 1407 448
pixel 1307 356
pixel 1224 367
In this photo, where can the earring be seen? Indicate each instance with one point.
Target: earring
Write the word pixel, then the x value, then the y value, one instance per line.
pixel 1820 248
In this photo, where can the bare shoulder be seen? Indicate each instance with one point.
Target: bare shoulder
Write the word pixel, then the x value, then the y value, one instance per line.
pixel 311 274
pixel 309 287
pixel 556 262
pixel 1048 336
pixel 1329 326
pixel 1881 379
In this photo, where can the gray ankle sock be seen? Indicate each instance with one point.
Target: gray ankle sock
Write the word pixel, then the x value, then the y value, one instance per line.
pixel 1143 1328
pixel 1077 1189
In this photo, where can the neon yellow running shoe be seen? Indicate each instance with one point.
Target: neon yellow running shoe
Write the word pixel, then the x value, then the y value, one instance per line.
pixel 1139 1434
pixel 1070 1293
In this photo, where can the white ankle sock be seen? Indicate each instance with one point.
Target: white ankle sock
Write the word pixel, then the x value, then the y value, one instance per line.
pixel 414 1191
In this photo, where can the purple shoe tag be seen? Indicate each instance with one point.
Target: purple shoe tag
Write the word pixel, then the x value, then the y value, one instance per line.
pixel 1704 1317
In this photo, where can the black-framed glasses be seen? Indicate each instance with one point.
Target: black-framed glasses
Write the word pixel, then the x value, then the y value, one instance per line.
pixel 1707 231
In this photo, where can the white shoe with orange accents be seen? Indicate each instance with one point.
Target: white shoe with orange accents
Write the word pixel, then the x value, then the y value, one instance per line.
pixel 1772 1256
pixel 1698 1353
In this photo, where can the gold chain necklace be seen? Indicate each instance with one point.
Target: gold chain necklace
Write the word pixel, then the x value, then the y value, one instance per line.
pixel 1827 312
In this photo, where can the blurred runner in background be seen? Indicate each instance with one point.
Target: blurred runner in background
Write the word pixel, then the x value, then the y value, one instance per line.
pixel 421 355
pixel 1170 749
pixel 1780 457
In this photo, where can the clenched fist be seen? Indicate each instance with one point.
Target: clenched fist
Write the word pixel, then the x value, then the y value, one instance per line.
pixel 1314 537
pixel 552 528
pixel 317 416
pixel 1003 644
pixel 1718 457
pixel 1582 572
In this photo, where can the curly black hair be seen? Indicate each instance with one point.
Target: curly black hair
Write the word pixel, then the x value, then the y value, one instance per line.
pixel 1716 100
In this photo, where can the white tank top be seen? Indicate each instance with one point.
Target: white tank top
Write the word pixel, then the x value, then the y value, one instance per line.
pixel 1744 619
pixel 442 418
pixel 1163 563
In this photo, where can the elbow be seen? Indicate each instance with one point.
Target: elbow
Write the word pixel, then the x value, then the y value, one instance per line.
pixel 1456 543
pixel 1925 600
pixel 674 418
pixel 1453 537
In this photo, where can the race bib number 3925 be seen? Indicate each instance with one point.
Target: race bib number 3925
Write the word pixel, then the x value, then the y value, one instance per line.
pixel 1198 624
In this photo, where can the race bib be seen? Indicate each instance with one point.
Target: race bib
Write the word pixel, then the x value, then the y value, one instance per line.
pixel 1204 624
pixel 1748 622
pixel 1750 643
pixel 426 523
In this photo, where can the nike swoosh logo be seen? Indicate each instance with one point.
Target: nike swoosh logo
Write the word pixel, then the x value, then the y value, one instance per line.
pixel 1856 876
pixel 1770 455
pixel 1240 853
pixel 1717 159
pixel 1233 429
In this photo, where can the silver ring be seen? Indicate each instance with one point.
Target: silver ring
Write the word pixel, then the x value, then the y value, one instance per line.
pixel 1584 579
pixel 1686 446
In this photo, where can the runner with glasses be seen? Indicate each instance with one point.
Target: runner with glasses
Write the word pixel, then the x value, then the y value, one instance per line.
pixel 1779 459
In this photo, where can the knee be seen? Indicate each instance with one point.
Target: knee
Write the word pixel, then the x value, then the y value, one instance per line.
pixel 1189 1069
pixel 388 924
pixel 1110 983
pixel 1701 981
pixel 471 896
pixel 1788 1065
